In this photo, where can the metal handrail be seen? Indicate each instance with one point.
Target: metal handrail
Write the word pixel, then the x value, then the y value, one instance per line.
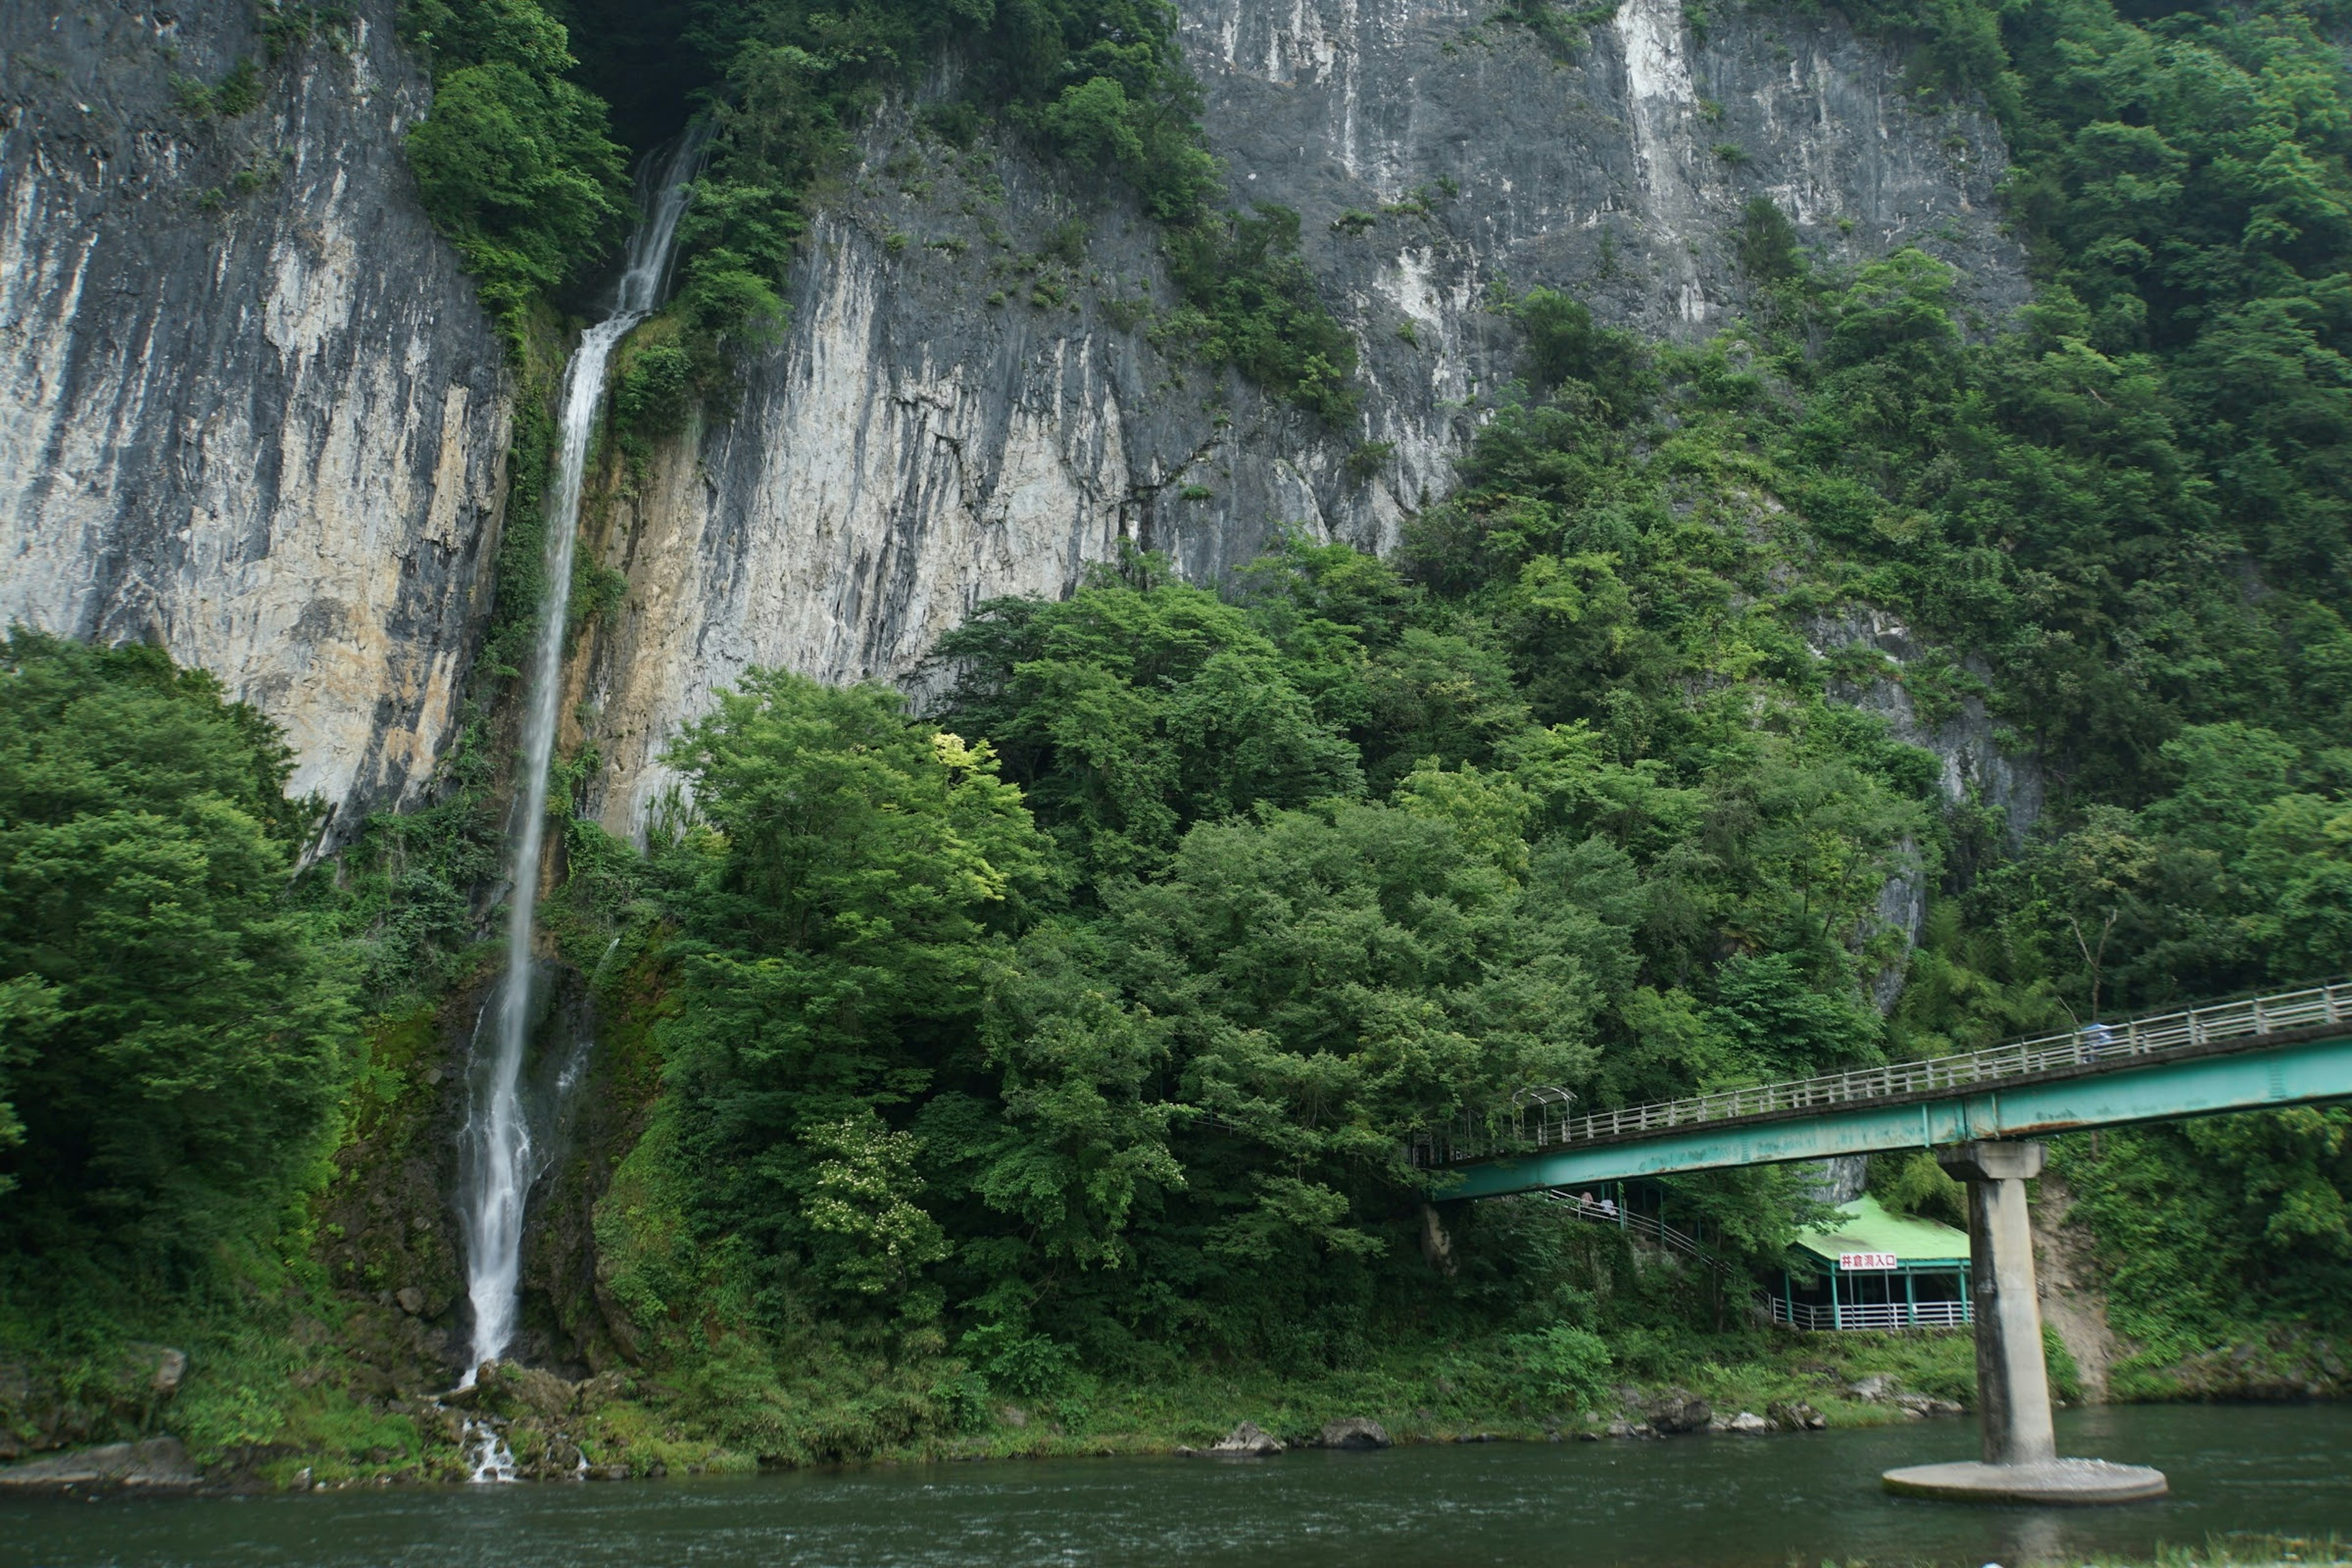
pixel 2313 1007
pixel 1649 1225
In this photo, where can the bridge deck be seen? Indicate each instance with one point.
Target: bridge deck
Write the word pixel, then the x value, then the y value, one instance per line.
pixel 2271 1050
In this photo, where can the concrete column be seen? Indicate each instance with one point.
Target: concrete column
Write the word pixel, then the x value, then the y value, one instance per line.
pixel 2012 1381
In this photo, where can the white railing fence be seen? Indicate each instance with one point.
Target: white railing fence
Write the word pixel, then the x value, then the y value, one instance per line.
pixel 1876 1315
pixel 2092 1045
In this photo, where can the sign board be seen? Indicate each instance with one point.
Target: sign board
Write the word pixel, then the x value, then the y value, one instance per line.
pixel 1860 1262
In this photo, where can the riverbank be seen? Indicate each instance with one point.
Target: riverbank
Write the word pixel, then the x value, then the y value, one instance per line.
pixel 293 1397
pixel 619 1426
pixel 334 1426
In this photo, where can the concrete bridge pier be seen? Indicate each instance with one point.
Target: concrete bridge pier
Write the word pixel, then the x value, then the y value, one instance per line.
pixel 2012 1378
pixel 2021 1461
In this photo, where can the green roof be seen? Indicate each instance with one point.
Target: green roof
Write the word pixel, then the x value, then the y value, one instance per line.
pixel 1863 1227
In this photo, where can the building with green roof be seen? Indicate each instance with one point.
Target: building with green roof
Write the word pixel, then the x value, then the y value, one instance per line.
pixel 1879 1271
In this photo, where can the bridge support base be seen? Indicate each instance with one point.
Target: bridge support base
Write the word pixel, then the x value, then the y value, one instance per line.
pixel 2021 1461
pixel 2052 1481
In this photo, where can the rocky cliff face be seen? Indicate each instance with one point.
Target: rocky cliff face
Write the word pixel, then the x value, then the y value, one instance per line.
pixel 249 409
pixel 971 401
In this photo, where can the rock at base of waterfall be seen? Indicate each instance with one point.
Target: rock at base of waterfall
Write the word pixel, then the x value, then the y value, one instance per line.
pixel 542 1392
pixel 513 1389
pixel 1247 1441
pixel 151 1464
pixel 1679 1410
pixel 1356 1432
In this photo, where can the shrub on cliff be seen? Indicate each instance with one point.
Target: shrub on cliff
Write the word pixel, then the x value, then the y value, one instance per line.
pixel 514 162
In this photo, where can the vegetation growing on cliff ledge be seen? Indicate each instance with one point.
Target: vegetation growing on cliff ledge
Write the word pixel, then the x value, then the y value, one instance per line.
pixel 516 165
pixel 1098 83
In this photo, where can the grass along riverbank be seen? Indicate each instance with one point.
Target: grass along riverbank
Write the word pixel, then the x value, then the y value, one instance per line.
pixel 619 1426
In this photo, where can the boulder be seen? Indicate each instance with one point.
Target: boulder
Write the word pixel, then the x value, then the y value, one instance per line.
pixel 510 1388
pixel 540 1392
pixel 171 1371
pixel 1247 1441
pixel 603 1389
pixel 1878 1385
pixel 1795 1415
pixel 1679 1410
pixel 411 1300
pixel 153 1464
pixel 1748 1423
pixel 1354 1432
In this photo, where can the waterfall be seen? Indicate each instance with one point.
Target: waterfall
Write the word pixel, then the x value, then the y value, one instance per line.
pixel 499 1160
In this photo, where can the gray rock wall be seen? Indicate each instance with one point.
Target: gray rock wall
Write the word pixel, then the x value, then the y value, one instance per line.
pixel 926 435
pixel 249 409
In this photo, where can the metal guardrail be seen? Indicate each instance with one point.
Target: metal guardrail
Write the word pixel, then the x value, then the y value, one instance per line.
pixel 1874 1315
pixel 1649 1226
pixel 2092 1045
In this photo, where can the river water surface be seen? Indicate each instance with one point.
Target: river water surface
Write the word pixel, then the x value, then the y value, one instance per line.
pixel 1702 1501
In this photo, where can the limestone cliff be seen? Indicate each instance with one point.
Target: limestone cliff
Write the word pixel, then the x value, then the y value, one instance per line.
pixel 249 409
pixel 970 403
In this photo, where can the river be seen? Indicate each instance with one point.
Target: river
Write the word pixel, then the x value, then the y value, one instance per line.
pixel 1703 1500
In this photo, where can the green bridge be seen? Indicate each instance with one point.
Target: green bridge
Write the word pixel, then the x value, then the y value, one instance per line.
pixel 1979 1111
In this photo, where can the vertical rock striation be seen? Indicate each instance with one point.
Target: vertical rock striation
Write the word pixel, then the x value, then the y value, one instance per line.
pixel 249 409
pixel 935 429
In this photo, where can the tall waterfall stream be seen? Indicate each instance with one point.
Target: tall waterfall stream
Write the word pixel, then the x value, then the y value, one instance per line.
pixel 498 1156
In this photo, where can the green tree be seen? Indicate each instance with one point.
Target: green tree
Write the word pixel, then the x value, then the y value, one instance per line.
pixel 843 901
pixel 1127 714
pixel 177 1036
pixel 514 162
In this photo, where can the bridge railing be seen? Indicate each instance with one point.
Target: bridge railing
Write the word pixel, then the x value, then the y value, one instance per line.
pixel 2313 1007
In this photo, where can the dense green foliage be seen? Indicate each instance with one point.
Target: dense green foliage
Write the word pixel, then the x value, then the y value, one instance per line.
pixel 515 162
pixel 2182 177
pixel 1351 853
pixel 173 1038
